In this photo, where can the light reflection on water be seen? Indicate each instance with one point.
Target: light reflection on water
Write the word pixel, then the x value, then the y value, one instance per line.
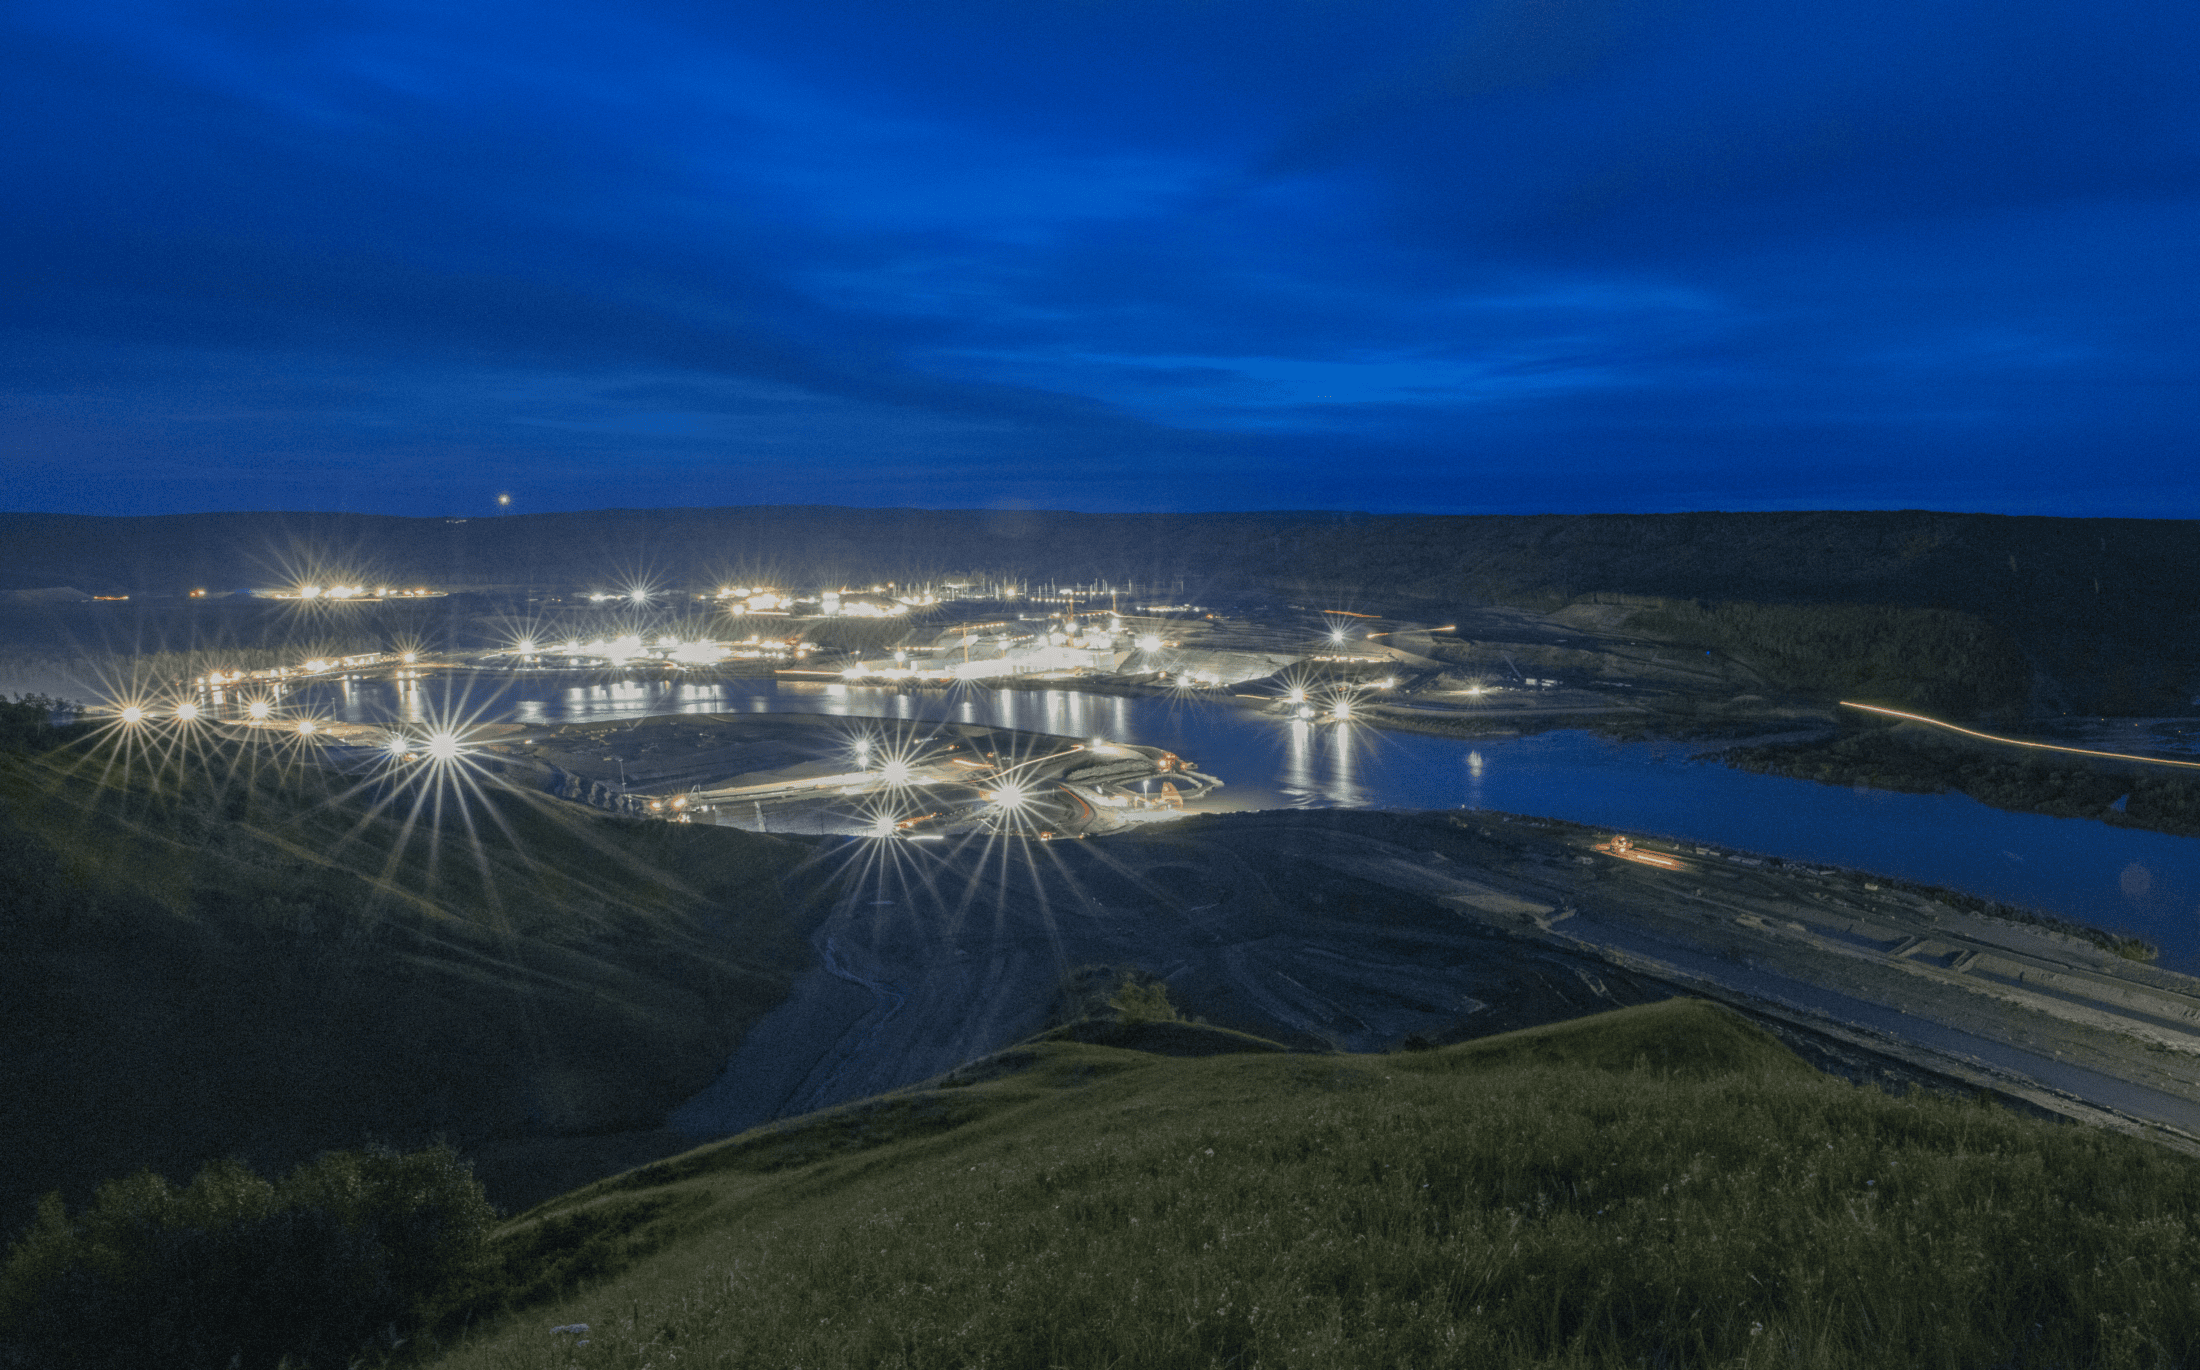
pixel 2145 882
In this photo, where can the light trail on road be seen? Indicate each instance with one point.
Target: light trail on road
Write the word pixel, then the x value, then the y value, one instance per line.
pixel 2019 742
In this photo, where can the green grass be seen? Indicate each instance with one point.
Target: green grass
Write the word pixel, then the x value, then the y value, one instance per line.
pixel 1661 1185
pixel 237 957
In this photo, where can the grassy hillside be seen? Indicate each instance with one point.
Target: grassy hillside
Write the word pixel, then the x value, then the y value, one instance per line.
pixel 1663 1185
pixel 219 951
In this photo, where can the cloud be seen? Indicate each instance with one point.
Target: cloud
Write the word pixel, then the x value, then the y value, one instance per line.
pixel 1134 251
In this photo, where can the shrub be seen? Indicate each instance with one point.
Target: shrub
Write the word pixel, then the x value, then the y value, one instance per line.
pixel 27 725
pixel 1148 1002
pixel 234 1270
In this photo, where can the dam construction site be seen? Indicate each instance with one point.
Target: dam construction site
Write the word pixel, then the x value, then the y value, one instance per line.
pixel 960 900
pixel 1359 932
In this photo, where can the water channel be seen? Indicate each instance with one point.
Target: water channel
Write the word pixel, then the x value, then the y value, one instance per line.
pixel 2118 878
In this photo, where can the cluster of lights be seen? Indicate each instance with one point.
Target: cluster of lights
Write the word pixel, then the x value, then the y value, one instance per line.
pixel 343 592
pixel 625 647
pixel 1338 708
pixel 755 599
pixel 135 714
pixel 630 646
pixel 442 745
pixel 261 712
pixel 313 666
pixel 835 604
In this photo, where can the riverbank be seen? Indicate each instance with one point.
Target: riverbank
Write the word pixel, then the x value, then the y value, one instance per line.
pixel 1917 760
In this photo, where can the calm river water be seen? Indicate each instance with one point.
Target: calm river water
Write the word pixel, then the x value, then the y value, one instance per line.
pixel 2111 877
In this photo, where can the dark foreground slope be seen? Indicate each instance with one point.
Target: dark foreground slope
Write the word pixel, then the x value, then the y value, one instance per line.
pixel 218 952
pixel 1659 1185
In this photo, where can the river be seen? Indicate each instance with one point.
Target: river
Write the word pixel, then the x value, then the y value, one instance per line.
pixel 2117 878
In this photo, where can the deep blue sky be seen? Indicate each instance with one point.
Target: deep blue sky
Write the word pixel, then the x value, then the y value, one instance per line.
pixel 1501 255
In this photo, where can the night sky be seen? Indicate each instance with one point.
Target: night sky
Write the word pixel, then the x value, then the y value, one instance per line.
pixel 1493 256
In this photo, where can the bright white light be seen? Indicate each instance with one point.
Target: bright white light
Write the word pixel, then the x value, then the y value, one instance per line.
pixel 186 712
pixel 863 751
pixel 259 710
pixel 855 672
pixel 397 745
pixel 305 727
pixel 1147 642
pixel 409 658
pixel 1336 635
pixel 1297 695
pixel 1341 711
pixel 639 595
pixel 525 646
pixel 133 714
pixel 1010 796
pixel 309 592
pixel 883 826
pixel 895 773
pixel 624 648
pixel 443 745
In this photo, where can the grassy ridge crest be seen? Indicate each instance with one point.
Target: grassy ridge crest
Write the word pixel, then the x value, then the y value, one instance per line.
pixel 1661 1185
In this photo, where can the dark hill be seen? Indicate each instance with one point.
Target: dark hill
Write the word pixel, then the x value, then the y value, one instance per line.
pixel 232 956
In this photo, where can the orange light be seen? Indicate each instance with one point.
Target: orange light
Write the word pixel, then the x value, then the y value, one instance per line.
pixel 2019 742
pixel 1627 851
